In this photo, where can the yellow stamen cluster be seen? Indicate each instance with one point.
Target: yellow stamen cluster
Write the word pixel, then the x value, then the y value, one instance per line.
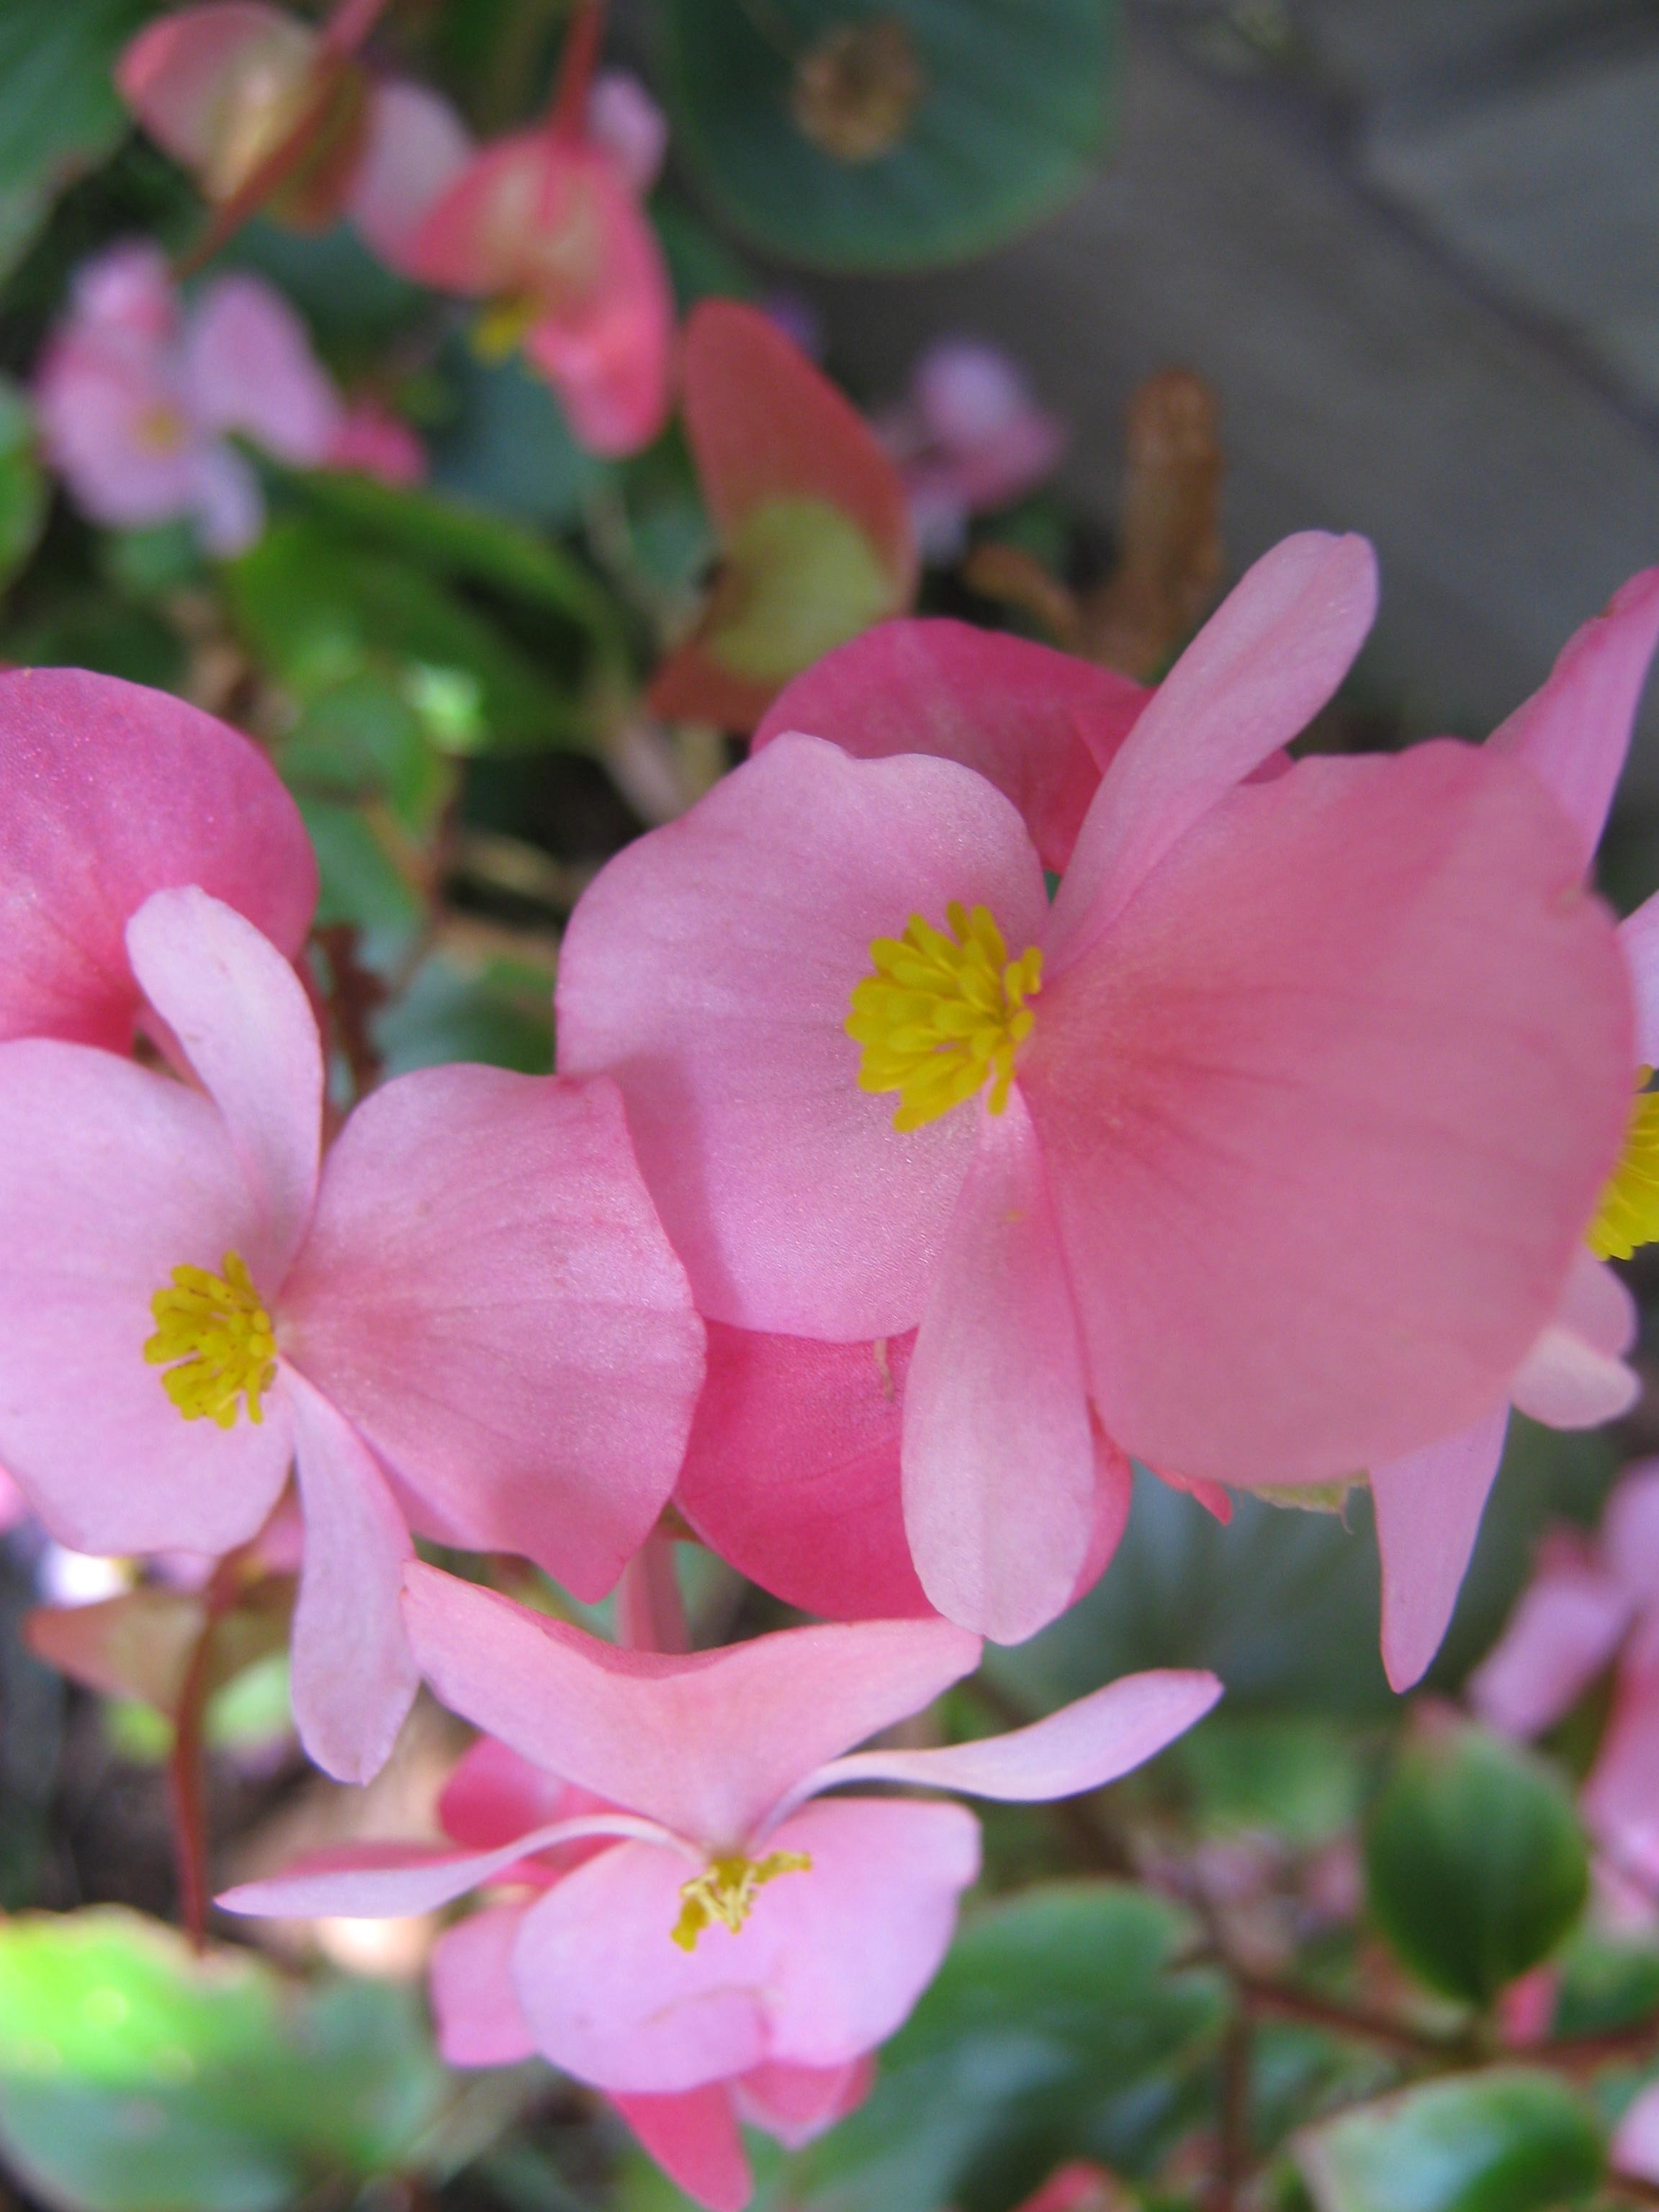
pixel 725 1891
pixel 1629 1212
pixel 942 1016
pixel 216 1328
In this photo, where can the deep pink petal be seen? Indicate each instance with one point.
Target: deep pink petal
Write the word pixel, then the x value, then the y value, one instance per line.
pixel 111 1176
pixel 1566 1628
pixel 693 2137
pixel 473 2000
pixel 239 1015
pixel 999 1456
pixel 1039 724
pixel 488 1295
pixel 705 1744
pixel 792 1471
pixel 794 1203
pixel 414 149
pixel 109 792
pixel 180 75
pixel 1638 936
pixel 1358 1051
pixel 796 2103
pixel 249 368
pixel 1575 730
pixel 494 1794
pixel 1253 678
pixel 1428 1506
pixel 1620 1800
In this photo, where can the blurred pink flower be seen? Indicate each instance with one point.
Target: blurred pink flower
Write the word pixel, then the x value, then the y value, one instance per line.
pixel 466 1319
pixel 1573 733
pixel 1635 2145
pixel 1174 1153
pixel 623 119
pixel 375 442
pixel 968 436
pixel 733 1948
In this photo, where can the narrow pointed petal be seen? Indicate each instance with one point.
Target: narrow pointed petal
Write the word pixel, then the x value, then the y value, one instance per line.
pixel 706 1744
pixel 999 1456
pixel 1565 1630
pixel 1428 1506
pixel 1639 939
pixel 487 1293
pixel 242 1017
pixel 1253 678
pixel 1574 732
pixel 473 2000
pixel 796 2103
pixel 693 2137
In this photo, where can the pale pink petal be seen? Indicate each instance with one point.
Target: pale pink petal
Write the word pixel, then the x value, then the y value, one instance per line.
pixel 829 1963
pixel 13 1506
pixel 623 119
pixel 181 74
pixel 128 289
pixel 226 500
pixel 1639 937
pixel 249 368
pixel 1635 2146
pixel 1082 1747
pixel 111 1176
pixel 487 1294
pixel 375 443
pixel 477 236
pixel 1253 678
pixel 1630 1532
pixel 706 1744
pixel 109 792
pixel 1358 1050
pixel 415 148
pixel 113 418
pixel 792 1471
pixel 241 1016
pixel 473 2000
pixel 1566 1383
pixel 1574 732
pixel 693 2137
pixel 793 1201
pixel 1620 1800
pixel 1428 1506
pixel 1039 724
pixel 1566 1629
pixel 999 1456
pixel 796 2103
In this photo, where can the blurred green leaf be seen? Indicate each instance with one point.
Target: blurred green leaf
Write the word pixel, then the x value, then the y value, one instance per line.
pixel 498 1011
pixel 363 739
pixel 22 482
pixel 701 265
pixel 1010 113
pixel 1507 2141
pixel 108 635
pixel 352 303
pixel 1299 1777
pixel 59 112
pixel 144 564
pixel 507 447
pixel 1606 1983
pixel 1475 1863
pixel 362 883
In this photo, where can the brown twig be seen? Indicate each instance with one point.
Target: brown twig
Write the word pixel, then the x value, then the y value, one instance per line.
pixel 1233 2153
pixel 1361 2022
pixel 186 1764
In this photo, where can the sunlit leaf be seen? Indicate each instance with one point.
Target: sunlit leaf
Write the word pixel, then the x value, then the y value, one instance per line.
pixel 1507 2141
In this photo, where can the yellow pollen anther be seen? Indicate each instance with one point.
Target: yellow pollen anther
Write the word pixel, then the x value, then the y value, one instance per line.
pixel 1629 1212
pixel 216 1328
pixel 725 1891
pixel 940 1019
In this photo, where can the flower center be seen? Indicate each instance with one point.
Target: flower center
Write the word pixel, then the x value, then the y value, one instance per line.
pixel 942 1016
pixel 221 1336
pixel 161 428
pixel 725 1891
pixel 1629 1212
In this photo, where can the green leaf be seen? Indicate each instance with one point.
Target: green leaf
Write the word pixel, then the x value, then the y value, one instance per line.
pixel 801 577
pixel 22 482
pixel 1606 1983
pixel 1475 1862
pixel 1296 1775
pixel 363 739
pixel 507 447
pixel 59 112
pixel 362 883
pixel 495 1009
pixel 1507 2141
pixel 1011 115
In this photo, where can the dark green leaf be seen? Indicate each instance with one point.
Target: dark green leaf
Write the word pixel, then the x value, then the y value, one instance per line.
pixel 1299 1776
pixel 1507 2141
pixel 22 482
pixel 59 112
pixel 507 446
pixel 495 1009
pixel 362 881
pixel 1606 1983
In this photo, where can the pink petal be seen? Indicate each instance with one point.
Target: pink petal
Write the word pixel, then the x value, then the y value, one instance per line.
pixel 1253 678
pixel 999 1457
pixel 796 2103
pixel 1576 731
pixel 415 149
pixel 1566 1383
pixel 1635 2146
pixel 705 1744
pixel 1082 1747
pixel 494 1794
pixel 1620 1800
pixel 1639 938
pixel 623 119
pixel 239 1015
pixel 792 1471
pixel 109 792
pixel 1358 1050
pixel 180 74
pixel 1428 1506
pixel 1039 724
pixel 473 2000
pixel 829 1963
pixel 112 1176
pixel 225 500
pixel 1566 1628
pixel 693 2137
pixel 355 1677
pixel 794 1203
pixel 249 368
pixel 487 1295
pixel 1630 1532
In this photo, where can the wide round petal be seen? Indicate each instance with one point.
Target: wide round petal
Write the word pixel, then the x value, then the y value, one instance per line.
pixel 109 792
pixel 488 1295
pixel 1325 1112
pixel 414 149
pixel 796 2103
pixel 1040 725
pixel 474 2002
pixel 180 75
pixel 249 368
pixel 111 1176
pixel 829 1963
pixel 1428 1506
pixel 693 2137
pixel 710 969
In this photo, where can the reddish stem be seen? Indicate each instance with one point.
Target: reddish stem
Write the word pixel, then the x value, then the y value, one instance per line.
pixel 568 117
pixel 187 1771
pixel 350 24
pixel 650 1611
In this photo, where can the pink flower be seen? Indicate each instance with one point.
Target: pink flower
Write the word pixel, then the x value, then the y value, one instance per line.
pixel 623 119
pixel 377 443
pixel 1172 1157
pixel 968 437
pixel 1573 733
pixel 109 792
pixel 466 1320
pixel 739 1946
pixel 1590 1604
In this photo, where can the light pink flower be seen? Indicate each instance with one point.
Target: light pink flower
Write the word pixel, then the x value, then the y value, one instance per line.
pixel 1635 2145
pixel 1573 733
pixel 1251 1125
pixel 466 1320
pixel 740 1946
pixel 377 443
pixel 108 792
pixel 623 119
pixel 968 437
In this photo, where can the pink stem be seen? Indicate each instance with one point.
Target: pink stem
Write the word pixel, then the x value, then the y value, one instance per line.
pixel 650 1611
pixel 567 118
pixel 350 24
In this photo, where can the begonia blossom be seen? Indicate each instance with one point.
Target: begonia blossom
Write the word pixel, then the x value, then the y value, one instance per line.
pixel 738 1943
pixel 1173 1155
pixel 108 792
pixel 1573 733
pixel 968 437
pixel 466 1320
